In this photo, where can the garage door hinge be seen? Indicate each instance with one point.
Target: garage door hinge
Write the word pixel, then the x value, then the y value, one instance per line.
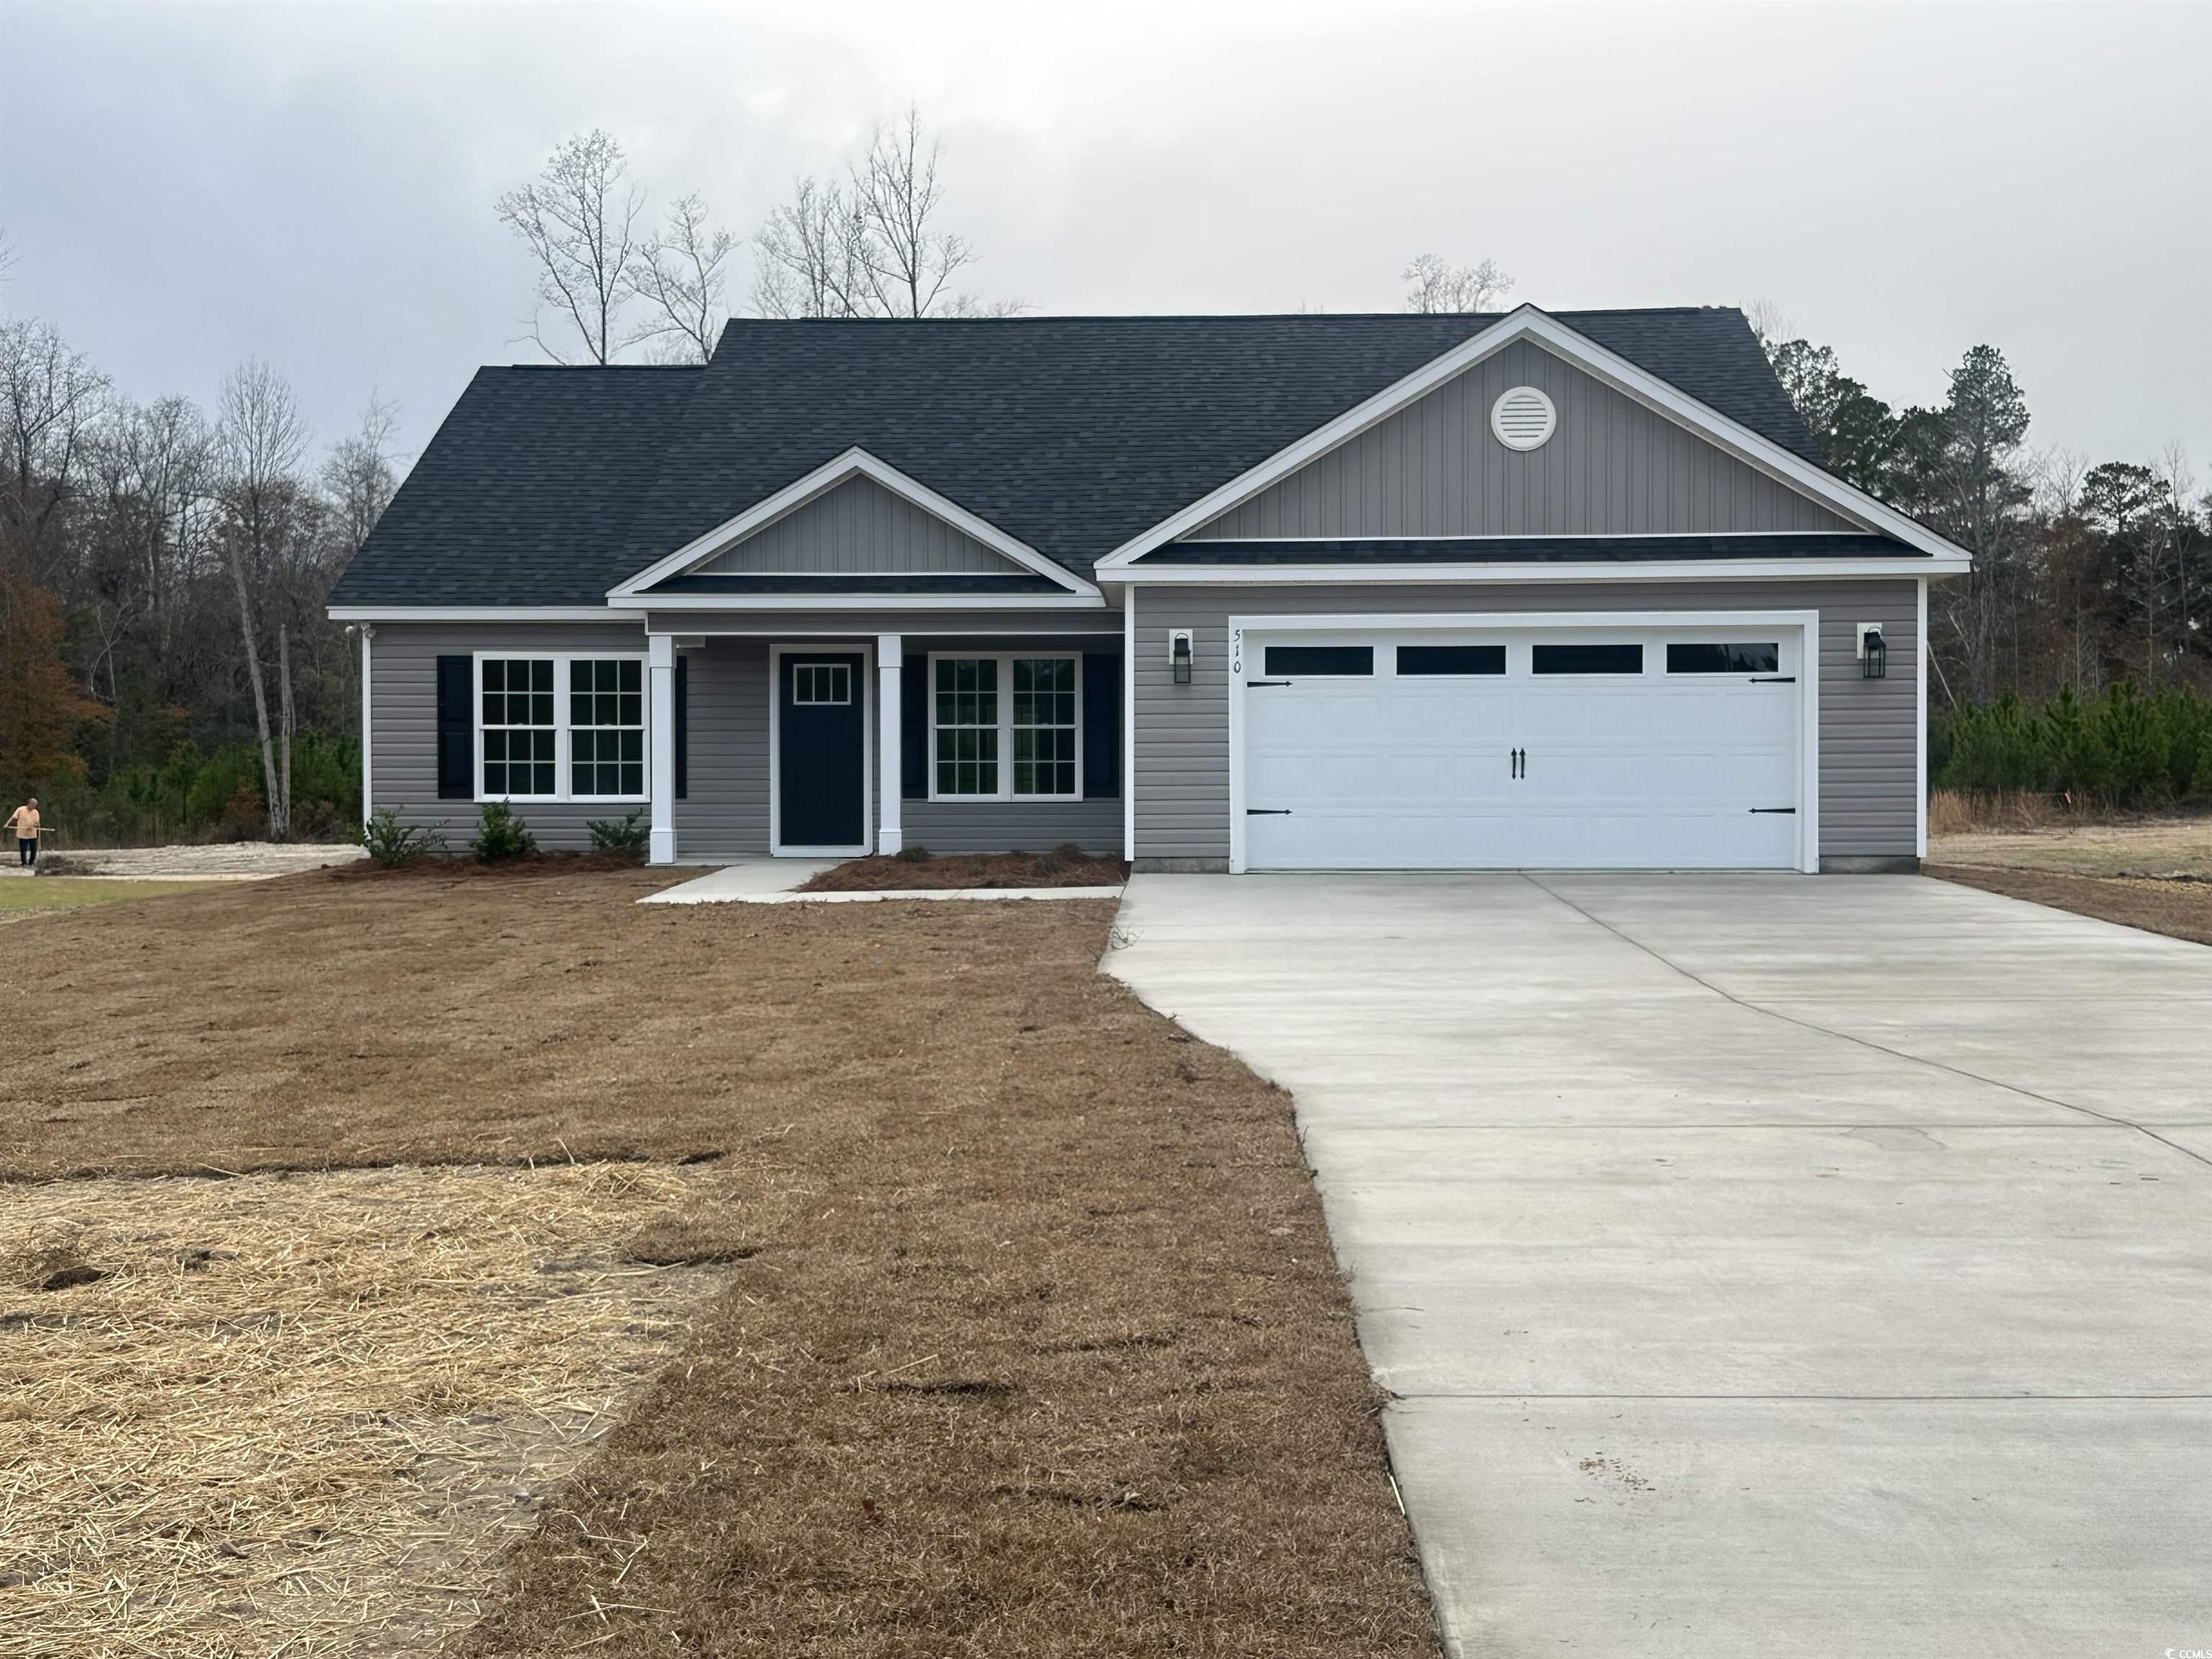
pixel 1791 810
pixel 1774 679
pixel 1267 811
pixel 1255 684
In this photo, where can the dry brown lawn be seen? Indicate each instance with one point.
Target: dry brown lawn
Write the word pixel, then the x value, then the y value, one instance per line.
pixel 1065 868
pixel 1032 1342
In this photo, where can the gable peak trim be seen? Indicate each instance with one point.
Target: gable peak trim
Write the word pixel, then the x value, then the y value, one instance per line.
pixel 1528 322
pixel 854 463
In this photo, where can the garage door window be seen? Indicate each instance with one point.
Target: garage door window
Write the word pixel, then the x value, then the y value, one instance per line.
pixel 1588 660
pixel 1457 659
pixel 1321 659
pixel 1764 659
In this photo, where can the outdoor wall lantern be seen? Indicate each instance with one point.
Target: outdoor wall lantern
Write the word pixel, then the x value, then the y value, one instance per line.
pixel 1179 654
pixel 1873 653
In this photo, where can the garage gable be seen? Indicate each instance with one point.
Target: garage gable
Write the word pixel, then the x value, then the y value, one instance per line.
pixel 1439 467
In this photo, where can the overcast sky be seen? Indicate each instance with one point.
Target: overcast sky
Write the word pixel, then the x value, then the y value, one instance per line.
pixel 186 185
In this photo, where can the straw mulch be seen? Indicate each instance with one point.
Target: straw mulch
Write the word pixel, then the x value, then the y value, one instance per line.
pixel 302 1413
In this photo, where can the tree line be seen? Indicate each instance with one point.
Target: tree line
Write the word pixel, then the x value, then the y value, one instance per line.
pixel 166 667
pixel 2085 575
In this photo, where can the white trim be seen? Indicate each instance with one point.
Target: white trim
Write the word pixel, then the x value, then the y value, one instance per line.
pixel 1920 727
pixel 1806 623
pixel 1005 727
pixel 867 653
pixel 1709 570
pixel 660 745
pixel 526 613
pixel 563 752
pixel 890 659
pixel 987 630
pixel 1528 323
pixel 1091 601
pixel 1129 725
pixel 854 463
pixel 368 728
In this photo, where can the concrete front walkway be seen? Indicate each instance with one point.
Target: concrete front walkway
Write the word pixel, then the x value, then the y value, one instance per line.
pixel 1760 1266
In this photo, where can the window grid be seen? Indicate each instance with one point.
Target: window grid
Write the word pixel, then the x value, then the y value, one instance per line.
pixel 520 735
pixel 1044 726
pixel 1005 727
pixel 526 728
pixel 821 682
pixel 966 720
pixel 606 721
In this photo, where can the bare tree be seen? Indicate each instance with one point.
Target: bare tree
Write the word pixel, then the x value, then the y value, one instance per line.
pixel 1436 284
pixel 870 245
pixel 261 440
pixel 895 196
pixel 578 219
pixel 360 474
pixel 680 274
pixel 1768 322
pixel 810 261
pixel 50 398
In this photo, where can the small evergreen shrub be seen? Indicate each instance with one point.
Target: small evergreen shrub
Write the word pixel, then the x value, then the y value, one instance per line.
pixel 501 835
pixel 912 856
pixel 392 844
pixel 630 834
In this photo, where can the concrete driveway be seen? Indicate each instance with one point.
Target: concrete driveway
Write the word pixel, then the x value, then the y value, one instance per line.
pixel 1760 1265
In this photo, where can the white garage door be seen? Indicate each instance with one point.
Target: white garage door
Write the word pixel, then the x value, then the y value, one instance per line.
pixel 1559 749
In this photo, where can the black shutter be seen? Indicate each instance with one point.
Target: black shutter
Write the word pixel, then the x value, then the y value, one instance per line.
pixel 683 727
pixel 456 731
pixel 914 729
pixel 1102 727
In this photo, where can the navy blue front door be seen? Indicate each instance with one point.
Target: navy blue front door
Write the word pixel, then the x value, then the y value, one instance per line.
pixel 822 750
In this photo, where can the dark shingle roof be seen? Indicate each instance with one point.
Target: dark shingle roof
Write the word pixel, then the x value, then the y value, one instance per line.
pixel 1516 550
pixel 1074 434
pixel 525 493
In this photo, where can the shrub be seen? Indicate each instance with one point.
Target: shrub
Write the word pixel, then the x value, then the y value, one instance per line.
pixel 392 844
pixel 630 834
pixel 501 835
pixel 2118 748
pixel 912 856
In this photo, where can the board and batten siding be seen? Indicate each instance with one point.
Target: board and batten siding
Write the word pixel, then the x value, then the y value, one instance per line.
pixel 1611 467
pixel 403 708
pixel 1869 737
pixel 858 528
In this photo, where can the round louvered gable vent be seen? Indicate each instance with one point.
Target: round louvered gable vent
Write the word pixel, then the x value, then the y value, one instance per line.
pixel 1523 418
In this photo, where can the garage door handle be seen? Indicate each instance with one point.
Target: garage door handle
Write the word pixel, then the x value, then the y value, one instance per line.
pixel 1520 762
pixel 1790 810
pixel 1774 679
pixel 1267 811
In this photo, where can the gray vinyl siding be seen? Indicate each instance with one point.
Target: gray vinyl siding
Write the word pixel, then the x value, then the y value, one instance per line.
pixel 858 528
pixel 1612 468
pixel 403 710
pixel 1869 759
pixel 1005 826
pixel 724 811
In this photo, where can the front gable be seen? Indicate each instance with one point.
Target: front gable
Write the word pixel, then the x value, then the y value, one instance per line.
pixel 1436 468
pixel 853 527
pixel 858 528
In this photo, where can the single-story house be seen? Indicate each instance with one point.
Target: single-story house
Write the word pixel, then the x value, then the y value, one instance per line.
pixel 1541 589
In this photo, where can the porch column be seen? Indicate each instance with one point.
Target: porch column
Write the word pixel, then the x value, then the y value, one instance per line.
pixel 889 744
pixel 660 733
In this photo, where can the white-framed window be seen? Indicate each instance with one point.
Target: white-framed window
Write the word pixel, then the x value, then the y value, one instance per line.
pixel 561 725
pixel 1005 727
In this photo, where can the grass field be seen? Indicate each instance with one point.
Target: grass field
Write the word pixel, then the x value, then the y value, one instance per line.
pixel 2152 873
pixel 1029 1339
pixel 22 897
